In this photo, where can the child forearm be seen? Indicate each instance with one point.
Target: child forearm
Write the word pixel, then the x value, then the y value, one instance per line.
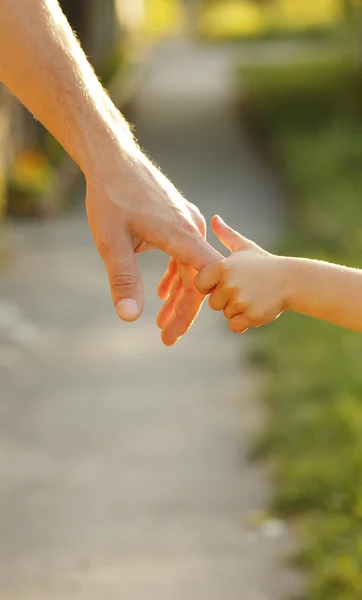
pixel 325 291
pixel 253 287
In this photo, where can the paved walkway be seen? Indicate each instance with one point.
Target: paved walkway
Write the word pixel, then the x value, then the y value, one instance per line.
pixel 123 470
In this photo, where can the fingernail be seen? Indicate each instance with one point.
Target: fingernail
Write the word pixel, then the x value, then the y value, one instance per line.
pixel 127 309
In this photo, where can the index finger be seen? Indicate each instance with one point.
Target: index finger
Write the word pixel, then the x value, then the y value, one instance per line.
pixel 190 248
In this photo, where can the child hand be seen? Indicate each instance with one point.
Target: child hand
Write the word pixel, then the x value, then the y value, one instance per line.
pixel 249 286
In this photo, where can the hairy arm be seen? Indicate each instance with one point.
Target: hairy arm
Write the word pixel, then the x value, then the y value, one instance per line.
pixel 42 63
pixel 131 205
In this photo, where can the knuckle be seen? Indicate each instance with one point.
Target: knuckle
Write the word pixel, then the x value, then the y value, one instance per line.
pixel 184 316
pixel 192 206
pixel 186 220
pixel 193 209
pixel 215 303
pixel 255 319
pixel 107 246
pixel 234 309
pixel 200 222
pixel 181 234
pixel 212 303
pixel 223 284
pixel 227 275
pixel 251 322
pixel 241 306
pixel 190 228
pixel 104 248
pixel 122 280
pixel 229 264
pixel 237 326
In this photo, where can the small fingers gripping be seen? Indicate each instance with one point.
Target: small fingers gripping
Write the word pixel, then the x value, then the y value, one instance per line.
pixel 239 324
pixel 219 297
pixel 208 278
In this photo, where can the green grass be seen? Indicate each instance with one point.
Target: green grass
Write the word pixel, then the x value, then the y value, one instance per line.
pixel 312 115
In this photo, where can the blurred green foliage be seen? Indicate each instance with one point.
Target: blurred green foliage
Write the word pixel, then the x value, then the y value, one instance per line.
pixel 115 61
pixel 311 114
pixel 250 18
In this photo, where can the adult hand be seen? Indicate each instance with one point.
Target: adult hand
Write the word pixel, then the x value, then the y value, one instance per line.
pixel 182 301
pixel 133 207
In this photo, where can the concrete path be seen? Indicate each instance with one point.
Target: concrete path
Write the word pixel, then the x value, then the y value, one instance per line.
pixel 123 470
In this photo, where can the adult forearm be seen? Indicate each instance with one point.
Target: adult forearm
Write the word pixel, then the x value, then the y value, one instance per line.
pixel 42 63
pixel 325 291
pixel 131 205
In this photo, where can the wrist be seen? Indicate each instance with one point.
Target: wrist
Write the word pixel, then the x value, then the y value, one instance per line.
pixel 291 282
pixel 102 134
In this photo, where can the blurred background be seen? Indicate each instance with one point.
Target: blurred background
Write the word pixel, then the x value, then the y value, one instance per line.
pixel 126 468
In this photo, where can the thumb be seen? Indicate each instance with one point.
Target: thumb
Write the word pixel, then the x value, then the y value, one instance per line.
pixel 125 280
pixel 230 238
pixel 208 278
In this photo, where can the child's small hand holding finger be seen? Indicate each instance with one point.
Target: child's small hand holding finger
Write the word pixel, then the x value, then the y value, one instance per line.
pixel 248 286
